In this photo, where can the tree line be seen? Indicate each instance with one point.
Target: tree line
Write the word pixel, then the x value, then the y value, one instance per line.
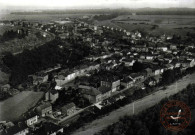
pixel 43 57
pixel 11 34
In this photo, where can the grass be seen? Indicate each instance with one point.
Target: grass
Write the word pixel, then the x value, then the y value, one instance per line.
pixel 14 107
pixel 167 24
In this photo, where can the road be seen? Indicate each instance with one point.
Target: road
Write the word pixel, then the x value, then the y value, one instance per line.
pixel 140 105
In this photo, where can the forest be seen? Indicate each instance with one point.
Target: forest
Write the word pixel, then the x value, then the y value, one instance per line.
pixel 43 57
pixel 11 34
pixel 105 17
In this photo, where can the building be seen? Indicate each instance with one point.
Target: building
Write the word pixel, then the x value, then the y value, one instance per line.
pixel 51 95
pixel 112 83
pixel 136 77
pixel 127 82
pixel 105 92
pixel 44 109
pixel 31 118
pixel 148 72
pixel 162 48
pixel 49 129
pixel 128 62
pixel 19 129
pixel 92 94
pixel 69 109
pixel 151 81
pixel 38 78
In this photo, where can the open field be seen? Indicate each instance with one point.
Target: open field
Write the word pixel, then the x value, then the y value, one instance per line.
pixel 12 108
pixel 167 24
pixel 140 105
pixel 43 18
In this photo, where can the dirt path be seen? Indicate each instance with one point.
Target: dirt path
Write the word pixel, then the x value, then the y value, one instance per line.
pixel 140 105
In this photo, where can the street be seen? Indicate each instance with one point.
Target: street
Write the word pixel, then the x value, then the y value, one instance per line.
pixel 139 105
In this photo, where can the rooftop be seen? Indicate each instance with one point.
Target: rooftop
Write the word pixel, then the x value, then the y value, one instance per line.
pixel 15 129
pixel 104 89
pixel 68 106
pixel 43 106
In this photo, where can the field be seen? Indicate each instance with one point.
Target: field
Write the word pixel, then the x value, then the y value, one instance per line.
pixel 166 24
pixel 140 105
pixel 43 18
pixel 14 107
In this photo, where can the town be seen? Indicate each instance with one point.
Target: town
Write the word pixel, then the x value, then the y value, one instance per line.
pixel 87 71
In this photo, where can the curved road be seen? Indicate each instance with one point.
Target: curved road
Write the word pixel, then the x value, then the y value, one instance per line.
pixel 140 105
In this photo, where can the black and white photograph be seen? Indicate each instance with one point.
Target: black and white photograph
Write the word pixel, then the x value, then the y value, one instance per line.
pixel 97 67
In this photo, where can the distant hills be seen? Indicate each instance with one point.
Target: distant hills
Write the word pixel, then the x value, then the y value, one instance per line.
pixel 139 11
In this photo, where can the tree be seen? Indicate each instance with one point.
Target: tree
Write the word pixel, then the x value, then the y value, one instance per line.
pixel 9 60
pixel 137 66
pixel 168 77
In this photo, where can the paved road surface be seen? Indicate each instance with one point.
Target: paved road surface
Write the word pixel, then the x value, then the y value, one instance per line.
pixel 140 105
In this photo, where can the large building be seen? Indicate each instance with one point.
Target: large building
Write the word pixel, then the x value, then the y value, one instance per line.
pixel 44 109
pixel 69 109
pixel 111 82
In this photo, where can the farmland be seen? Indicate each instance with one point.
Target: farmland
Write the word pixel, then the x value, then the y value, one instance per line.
pixel 165 24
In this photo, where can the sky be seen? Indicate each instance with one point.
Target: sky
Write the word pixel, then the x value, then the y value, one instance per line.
pixel 55 4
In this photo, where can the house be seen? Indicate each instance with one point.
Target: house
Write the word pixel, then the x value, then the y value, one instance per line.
pixel 70 76
pixel 65 76
pixel 151 81
pixel 44 86
pixel 192 62
pixel 64 35
pixel 31 118
pixel 157 70
pixel 105 92
pixel 51 95
pixel 136 77
pixel 92 94
pixel 162 48
pixel 148 72
pixel 149 57
pixel 39 77
pixel 173 47
pixel 19 129
pixel 109 101
pixel 69 109
pixel 128 62
pixel 127 82
pixel 60 79
pixel 107 66
pixel 119 96
pixel 49 128
pixel 111 82
pixel 44 109
pixel 169 66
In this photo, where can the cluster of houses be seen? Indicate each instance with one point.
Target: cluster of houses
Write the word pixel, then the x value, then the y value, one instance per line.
pixel 156 56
